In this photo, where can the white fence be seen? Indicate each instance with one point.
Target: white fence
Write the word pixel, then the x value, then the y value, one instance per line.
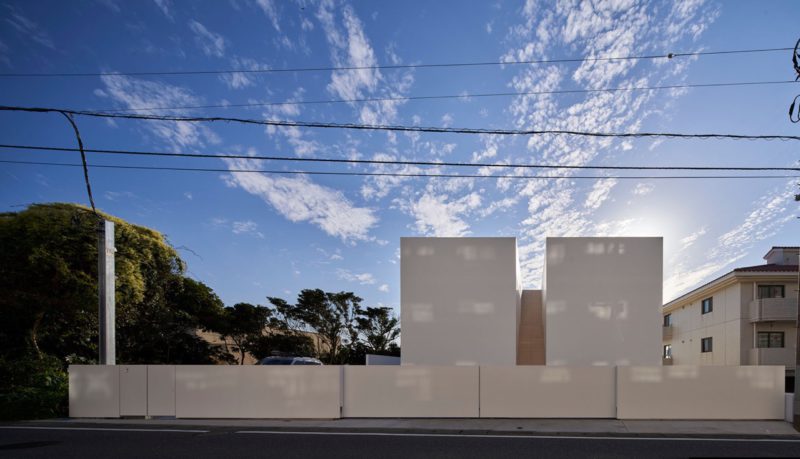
pixel 209 391
pixel 410 392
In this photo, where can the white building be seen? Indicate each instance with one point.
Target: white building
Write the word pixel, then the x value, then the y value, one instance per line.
pixel 462 304
pixel 745 317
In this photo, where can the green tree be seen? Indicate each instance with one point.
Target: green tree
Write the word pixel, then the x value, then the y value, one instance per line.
pixel 329 315
pixel 378 328
pixel 244 323
pixel 48 290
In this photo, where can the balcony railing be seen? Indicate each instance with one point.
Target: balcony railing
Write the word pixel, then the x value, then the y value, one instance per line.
pixel 767 309
pixel 666 360
pixel 773 356
pixel 666 332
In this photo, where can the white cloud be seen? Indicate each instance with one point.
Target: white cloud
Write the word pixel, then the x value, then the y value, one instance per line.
pixel 246 227
pixel 384 288
pixel 600 192
pixel 212 44
pixel 642 189
pixel 268 7
pixel 689 240
pixel 447 120
pixel 165 7
pixel 188 195
pixel 606 28
pixel 764 219
pixel 242 80
pixel 136 93
pixel 300 200
pixel 350 47
pixel 363 278
pixel 28 28
pixel 437 215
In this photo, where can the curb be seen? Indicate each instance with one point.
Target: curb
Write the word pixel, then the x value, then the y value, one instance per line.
pixel 231 428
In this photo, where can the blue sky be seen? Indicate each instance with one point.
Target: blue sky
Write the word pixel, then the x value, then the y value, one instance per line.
pixel 259 235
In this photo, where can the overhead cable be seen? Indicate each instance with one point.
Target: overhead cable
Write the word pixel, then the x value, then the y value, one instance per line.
pixel 395 162
pixel 395 66
pixel 398 174
pixel 401 128
pixel 446 96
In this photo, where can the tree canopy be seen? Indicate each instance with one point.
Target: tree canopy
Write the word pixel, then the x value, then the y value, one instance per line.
pixel 48 280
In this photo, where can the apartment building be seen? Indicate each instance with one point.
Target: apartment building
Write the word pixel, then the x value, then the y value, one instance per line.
pixel 745 317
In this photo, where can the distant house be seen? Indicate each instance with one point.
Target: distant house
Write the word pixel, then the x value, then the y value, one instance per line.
pixel 745 317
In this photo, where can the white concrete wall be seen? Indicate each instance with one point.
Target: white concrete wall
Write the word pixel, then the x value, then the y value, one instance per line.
pixel 229 391
pixel 602 301
pixel 93 391
pixel 375 359
pixel 459 301
pixel 132 390
pixel 547 392
pixel 700 392
pixel 161 390
pixel 410 392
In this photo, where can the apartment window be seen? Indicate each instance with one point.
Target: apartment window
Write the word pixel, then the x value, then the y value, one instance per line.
pixel 707 305
pixel 771 291
pixel 667 351
pixel 668 320
pixel 769 339
pixel 707 344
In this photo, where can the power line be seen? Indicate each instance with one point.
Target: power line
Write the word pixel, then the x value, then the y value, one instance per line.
pixel 69 118
pixel 401 128
pixel 451 96
pixel 395 162
pixel 396 66
pixel 412 175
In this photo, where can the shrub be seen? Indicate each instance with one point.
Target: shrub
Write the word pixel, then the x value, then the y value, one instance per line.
pixel 33 388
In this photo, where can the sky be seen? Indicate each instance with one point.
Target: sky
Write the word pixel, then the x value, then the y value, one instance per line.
pixel 253 235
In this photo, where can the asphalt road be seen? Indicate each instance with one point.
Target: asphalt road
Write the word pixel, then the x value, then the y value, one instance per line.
pixel 220 443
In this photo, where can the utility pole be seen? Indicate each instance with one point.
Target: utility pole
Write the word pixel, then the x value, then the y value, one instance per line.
pixel 106 285
pixel 796 410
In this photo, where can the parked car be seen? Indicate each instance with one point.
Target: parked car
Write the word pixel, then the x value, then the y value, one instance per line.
pixel 290 361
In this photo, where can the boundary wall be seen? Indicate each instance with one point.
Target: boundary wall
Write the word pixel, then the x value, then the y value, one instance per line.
pixel 328 392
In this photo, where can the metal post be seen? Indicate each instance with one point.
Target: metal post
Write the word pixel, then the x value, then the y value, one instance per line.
pixel 105 288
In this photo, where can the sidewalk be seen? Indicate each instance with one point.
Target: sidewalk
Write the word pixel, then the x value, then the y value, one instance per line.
pixel 544 427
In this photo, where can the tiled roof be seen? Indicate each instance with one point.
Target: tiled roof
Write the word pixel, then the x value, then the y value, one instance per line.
pixel 772 267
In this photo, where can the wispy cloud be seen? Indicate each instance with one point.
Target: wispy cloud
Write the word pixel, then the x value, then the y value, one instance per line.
pixel 362 278
pixel 246 227
pixel 562 207
pixel 212 44
pixel 28 28
pixel 299 199
pixel 384 288
pixel 350 47
pixel 131 92
pixel 642 189
pixel 766 216
pixel 600 192
pixel 268 7
pixel 166 7
pixel 438 215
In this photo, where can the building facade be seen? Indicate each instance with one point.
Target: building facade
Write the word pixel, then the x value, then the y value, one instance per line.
pixel 462 303
pixel 745 317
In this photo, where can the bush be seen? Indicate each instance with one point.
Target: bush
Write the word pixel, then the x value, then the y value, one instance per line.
pixel 33 388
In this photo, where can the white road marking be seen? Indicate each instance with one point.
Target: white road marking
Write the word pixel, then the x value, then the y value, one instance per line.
pixel 555 437
pixel 110 429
